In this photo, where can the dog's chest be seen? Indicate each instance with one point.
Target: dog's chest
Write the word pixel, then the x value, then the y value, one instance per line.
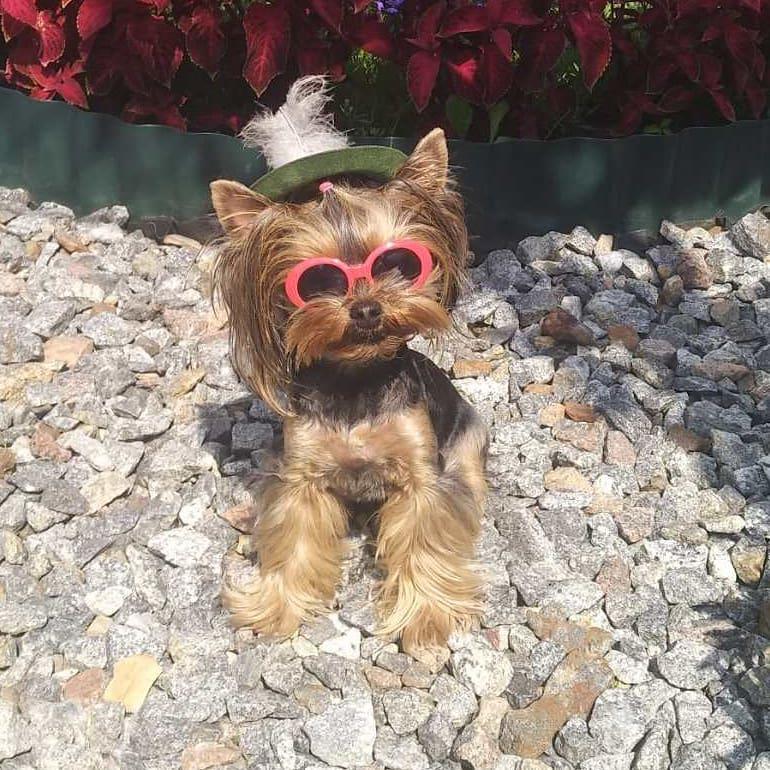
pixel 369 459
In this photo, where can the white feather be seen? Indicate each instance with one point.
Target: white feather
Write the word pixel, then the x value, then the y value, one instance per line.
pixel 299 128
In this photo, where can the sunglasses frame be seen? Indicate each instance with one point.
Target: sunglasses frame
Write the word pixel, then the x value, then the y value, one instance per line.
pixel 355 273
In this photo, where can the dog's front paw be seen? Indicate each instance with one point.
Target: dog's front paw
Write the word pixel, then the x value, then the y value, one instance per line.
pixel 425 622
pixel 264 607
pixel 433 626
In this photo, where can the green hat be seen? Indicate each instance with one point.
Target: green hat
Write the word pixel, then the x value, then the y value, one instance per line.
pixel 373 161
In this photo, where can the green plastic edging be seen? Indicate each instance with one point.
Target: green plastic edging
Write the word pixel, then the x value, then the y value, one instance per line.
pixel 512 188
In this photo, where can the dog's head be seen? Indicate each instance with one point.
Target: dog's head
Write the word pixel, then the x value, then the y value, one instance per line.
pixel 345 272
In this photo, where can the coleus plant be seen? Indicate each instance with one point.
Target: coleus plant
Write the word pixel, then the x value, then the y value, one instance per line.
pixel 481 68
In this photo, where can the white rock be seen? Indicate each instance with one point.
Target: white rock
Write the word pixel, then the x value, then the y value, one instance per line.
pixel 182 546
pixel 344 734
pixel 107 601
pixel 484 670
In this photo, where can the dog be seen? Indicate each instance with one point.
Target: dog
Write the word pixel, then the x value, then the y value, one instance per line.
pixel 323 292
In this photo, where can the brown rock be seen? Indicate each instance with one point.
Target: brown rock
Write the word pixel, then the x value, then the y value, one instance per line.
pixel 69 242
pixel 720 370
pixel 672 292
pixel 381 679
pixel 15 379
pixel 604 244
pixel 571 691
pixel 11 285
pixel 580 412
pixel 634 524
pixel 625 335
pixel 725 312
pixel 551 626
pixel 85 687
pixel 566 480
pixel 614 576
pixel 185 381
pixel 208 754
pixel 101 307
pixel 618 450
pixel 687 440
pixel 551 414
pixel 586 436
pixel 477 744
pixel 564 327
pixel 694 270
pixel 471 367
pixel 241 517
pixel 419 675
pixel 539 388
pixel 186 324
pixel 43 444
pixel 529 732
pixel 68 349
pixel 148 380
pixel 131 681
pixel 582 676
pixel 7 462
pixel 749 561
pixel 604 503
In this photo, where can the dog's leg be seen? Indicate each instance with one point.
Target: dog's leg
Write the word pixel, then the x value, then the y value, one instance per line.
pixel 426 543
pixel 300 539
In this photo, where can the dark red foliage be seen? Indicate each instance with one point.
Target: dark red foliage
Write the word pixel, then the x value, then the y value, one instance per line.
pixel 567 66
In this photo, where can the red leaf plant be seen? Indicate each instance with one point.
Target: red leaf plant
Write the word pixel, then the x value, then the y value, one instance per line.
pixel 542 67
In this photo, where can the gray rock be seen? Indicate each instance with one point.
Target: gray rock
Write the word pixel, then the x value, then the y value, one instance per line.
pixel 692 712
pixel 575 743
pixel 248 436
pixel 437 735
pixel 482 669
pixel 691 665
pixel 345 733
pixel 18 345
pixel 751 234
pixel 543 247
pixel 535 305
pixel 454 700
pixel 693 587
pixel 109 330
pixel 182 546
pixel 620 717
pixel 399 753
pixel 17 734
pixel 756 684
pixel 63 497
pixel 20 617
pixel 406 709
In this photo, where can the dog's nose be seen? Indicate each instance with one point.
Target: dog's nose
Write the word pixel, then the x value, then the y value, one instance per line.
pixel 366 313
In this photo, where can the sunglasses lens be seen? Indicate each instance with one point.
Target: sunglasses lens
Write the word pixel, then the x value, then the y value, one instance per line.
pixel 322 279
pixel 404 261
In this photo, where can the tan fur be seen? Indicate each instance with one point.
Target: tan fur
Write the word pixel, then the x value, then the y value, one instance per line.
pixel 430 519
pixel 428 527
pixel 265 240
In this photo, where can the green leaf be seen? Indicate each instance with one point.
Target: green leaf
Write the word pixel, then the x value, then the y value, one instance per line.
pixel 460 114
pixel 496 114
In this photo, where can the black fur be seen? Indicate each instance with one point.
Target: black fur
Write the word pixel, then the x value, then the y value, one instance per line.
pixel 346 394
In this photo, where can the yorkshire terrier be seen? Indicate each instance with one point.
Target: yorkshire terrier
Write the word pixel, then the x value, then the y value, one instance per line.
pixel 323 293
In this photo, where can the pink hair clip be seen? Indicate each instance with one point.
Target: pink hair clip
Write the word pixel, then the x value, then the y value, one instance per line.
pixel 324 187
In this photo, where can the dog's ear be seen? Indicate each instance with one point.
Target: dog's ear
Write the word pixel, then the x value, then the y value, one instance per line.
pixel 236 205
pixel 427 166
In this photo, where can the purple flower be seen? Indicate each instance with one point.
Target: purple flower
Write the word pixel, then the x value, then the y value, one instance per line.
pixel 389 7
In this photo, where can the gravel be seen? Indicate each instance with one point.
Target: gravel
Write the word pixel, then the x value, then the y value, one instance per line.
pixel 628 396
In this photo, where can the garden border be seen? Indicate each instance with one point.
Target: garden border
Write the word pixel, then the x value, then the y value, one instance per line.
pixel 513 188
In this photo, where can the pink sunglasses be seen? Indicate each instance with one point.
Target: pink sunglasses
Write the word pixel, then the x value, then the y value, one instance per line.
pixel 314 277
